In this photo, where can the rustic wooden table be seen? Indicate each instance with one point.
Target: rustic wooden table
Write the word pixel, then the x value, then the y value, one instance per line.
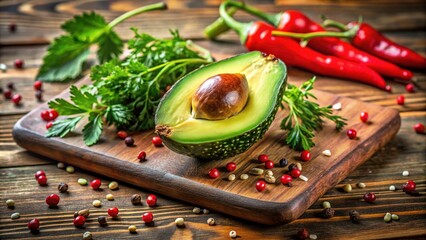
pixel 38 23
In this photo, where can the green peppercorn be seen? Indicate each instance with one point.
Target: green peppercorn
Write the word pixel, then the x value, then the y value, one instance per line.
pixel 387 217
pixel 132 228
pixel 109 197
pixel 113 185
pixel 395 217
pixel 180 222
pixel 87 236
pixel 15 215
pixel 70 169
pixel 82 181
pixel 10 203
pixel 326 204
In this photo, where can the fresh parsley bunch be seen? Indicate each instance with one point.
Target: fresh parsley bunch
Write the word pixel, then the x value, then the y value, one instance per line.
pixel 305 116
pixel 126 92
pixel 67 53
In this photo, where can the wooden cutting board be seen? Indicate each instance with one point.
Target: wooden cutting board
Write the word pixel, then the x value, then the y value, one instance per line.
pixel 185 178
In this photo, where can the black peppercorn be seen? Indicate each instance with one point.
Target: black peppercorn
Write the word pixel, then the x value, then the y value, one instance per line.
pixel 291 166
pixel 354 216
pixel 303 234
pixel 62 187
pixel 129 141
pixel 328 213
pixel 12 27
pixel 10 86
pixel 39 95
pixel 283 162
pixel 1 89
pixel 102 220
pixel 136 199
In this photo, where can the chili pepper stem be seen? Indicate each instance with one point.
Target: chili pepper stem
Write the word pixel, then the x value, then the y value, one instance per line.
pixel 241 28
pixel 219 26
pixel 307 36
pixel 336 24
pixel 147 8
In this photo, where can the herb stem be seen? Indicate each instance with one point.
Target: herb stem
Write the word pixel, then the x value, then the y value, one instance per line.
pixel 147 8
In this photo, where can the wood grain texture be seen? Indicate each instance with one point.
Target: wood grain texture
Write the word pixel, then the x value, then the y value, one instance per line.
pixel 186 178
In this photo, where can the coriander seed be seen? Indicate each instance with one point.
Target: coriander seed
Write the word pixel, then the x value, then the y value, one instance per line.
pixel 210 221
pixel 269 173
pixel 395 217
pixel 180 222
pixel 206 211
pixel 132 228
pixel 326 204
pixel 196 210
pixel 60 165
pixel 233 234
pixel 231 177
pixel 313 236
pixel 244 176
pixel 392 188
pixel 405 173
pixel 113 185
pixel 15 215
pixel 10 203
pixel 82 181
pixel 97 203
pixel 109 197
pixel 87 236
pixel 62 187
pixel 387 217
pixel 136 199
pixel 347 188
pixel 70 169
pixel 102 220
pixel 361 185
pixel 270 179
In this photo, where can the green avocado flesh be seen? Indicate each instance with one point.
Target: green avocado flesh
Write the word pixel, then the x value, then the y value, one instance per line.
pixel 218 139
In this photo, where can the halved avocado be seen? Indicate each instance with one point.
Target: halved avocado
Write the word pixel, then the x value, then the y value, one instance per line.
pixel 218 139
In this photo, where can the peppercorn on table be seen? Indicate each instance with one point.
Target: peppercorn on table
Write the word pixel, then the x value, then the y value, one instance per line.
pixel 36 23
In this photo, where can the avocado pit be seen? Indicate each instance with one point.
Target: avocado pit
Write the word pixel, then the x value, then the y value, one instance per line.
pixel 220 96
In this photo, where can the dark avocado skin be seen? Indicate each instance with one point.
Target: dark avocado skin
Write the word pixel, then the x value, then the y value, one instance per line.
pixel 226 148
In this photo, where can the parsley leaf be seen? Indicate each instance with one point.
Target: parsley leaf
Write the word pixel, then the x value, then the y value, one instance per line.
pixel 110 46
pixel 86 27
pixel 92 130
pixel 63 60
pixel 305 116
pixel 62 127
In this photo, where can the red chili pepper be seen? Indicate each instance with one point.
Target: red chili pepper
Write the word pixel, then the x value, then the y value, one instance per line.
pixel 296 22
pixel 370 40
pixel 257 36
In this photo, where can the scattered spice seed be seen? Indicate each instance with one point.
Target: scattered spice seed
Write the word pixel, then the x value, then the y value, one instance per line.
pixel 16 99
pixel 15 215
pixel 244 176
pixel 260 185
pixel 96 184
pixel 132 228
pixel 409 186
pixel 303 234
pixel 269 164
pixel 361 185
pixel 42 180
pixel 34 224
pixel 286 179
pixel 45 115
pixel 395 217
pixel 102 220
pixel 210 221
pixel 53 114
pixel 206 211
pixel 326 153
pixel 400 100
pixel 84 212
pixel 295 172
pixel 291 166
pixel 305 155
pixel 337 106
pixel 231 177
pixel 79 221
pixel 63 187
pixel 231 166
pixel 328 212
pixel 180 222
pixel 113 185
pixel 87 236
pixel 347 188
pixel 299 166
pixel 7 94
pixel 110 197
pixel 326 204
pixel 419 128
pixel 39 95
pixel 214 173
pixel 136 199
pixel 38 85
pixel 151 200
pixel 157 141
pixel 232 234
pixel 70 169
pixel 410 88
pixel 270 179
pixel 351 133
pixel 387 217
pixel 122 134
pixel 60 165
pixel 113 212
pixel 283 162
pixel 269 173
pixel 256 171
pixel 364 117
pixel 10 86
pixel 3 67
pixel 19 63
pixel 39 173
pixel 10 203
pixel 263 158
pixel 370 197
pixel 354 216
pixel 142 156
pixel 392 188
pixel 82 181
pixel 313 236
pixel 147 217
pixel 97 203
pixel 129 141
pixel 405 173
pixel 196 210
pixel 303 178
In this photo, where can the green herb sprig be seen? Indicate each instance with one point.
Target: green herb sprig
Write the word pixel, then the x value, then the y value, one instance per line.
pixel 67 53
pixel 126 93
pixel 305 116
